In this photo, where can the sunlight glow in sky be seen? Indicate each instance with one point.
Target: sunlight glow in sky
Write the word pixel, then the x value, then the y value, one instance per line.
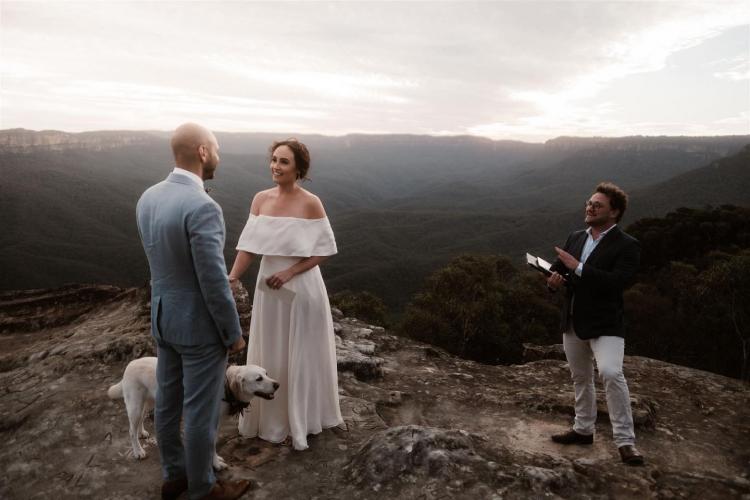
pixel 506 70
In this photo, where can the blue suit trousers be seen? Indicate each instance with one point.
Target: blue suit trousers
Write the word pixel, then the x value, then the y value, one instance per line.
pixel 190 385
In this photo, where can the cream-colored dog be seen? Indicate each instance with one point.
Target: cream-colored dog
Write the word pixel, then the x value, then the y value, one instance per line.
pixel 138 388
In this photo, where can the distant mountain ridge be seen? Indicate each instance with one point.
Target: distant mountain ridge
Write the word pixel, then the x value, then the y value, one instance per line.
pixel 20 139
pixel 723 182
pixel 400 205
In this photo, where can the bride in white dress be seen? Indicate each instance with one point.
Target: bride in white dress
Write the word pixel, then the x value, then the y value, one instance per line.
pixel 291 331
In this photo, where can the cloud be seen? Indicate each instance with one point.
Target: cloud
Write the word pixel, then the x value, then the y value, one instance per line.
pixel 736 69
pixel 501 69
pixel 569 110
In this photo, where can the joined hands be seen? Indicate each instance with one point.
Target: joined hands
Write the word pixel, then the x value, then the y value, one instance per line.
pixel 237 346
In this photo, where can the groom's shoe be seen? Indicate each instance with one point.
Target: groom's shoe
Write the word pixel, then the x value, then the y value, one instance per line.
pixel 171 490
pixel 227 490
pixel 572 437
pixel 630 455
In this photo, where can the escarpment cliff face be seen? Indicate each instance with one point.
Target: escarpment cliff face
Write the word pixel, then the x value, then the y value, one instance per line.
pixel 419 423
pixel 721 146
pixel 19 140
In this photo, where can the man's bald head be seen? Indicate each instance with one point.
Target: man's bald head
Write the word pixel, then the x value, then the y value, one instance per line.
pixel 187 139
pixel 195 149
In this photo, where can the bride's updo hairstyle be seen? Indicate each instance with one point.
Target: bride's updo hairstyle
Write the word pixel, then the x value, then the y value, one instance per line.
pixel 301 155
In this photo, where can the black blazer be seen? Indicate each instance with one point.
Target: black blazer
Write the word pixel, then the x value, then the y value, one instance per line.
pixel 593 301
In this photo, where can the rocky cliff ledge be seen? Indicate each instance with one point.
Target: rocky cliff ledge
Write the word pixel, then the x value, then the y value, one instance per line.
pixel 419 423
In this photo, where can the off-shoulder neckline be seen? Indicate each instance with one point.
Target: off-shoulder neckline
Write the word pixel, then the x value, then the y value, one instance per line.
pixel 287 217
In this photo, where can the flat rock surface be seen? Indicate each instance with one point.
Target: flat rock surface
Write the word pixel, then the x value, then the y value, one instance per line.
pixel 419 423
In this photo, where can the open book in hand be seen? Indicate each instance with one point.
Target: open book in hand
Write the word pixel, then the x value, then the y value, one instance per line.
pixel 283 293
pixel 539 264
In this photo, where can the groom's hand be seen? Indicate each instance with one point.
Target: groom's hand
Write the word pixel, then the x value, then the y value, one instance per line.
pixel 237 346
pixel 235 286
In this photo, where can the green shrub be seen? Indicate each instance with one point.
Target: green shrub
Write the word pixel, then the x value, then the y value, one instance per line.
pixel 482 307
pixel 365 306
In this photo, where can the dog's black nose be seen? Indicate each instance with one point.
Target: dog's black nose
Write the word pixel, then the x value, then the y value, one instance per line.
pixel 275 385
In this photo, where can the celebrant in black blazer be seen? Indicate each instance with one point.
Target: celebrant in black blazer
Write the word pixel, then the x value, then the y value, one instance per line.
pixel 594 268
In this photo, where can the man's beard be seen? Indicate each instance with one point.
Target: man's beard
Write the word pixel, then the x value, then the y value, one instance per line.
pixel 208 171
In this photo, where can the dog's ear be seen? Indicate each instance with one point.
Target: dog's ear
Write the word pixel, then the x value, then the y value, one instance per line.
pixel 235 385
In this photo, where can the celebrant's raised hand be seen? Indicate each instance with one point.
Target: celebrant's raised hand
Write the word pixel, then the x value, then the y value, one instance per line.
pixel 568 260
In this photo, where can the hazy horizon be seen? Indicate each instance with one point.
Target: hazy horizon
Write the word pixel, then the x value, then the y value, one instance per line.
pixel 526 71
pixel 346 134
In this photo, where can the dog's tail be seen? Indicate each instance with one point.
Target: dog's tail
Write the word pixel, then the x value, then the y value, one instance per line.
pixel 115 392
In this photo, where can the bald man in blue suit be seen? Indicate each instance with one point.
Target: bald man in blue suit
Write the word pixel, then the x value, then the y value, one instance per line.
pixel 193 315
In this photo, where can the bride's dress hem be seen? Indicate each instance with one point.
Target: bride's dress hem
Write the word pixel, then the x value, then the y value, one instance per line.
pixel 272 441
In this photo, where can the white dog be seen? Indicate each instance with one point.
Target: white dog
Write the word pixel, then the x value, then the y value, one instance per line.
pixel 138 387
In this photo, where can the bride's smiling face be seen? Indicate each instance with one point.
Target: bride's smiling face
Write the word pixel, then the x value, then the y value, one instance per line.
pixel 283 169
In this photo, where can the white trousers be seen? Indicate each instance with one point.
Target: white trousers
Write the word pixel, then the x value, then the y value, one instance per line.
pixel 608 353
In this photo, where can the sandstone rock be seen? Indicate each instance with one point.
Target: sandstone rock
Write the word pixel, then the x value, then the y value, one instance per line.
pixel 395 397
pixel 351 330
pixel 397 453
pixel 542 479
pixel 356 357
pixel 34 310
pixel 360 413
pixel 354 351
pixel 37 356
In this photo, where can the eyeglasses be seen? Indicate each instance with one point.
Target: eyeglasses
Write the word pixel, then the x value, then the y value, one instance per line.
pixel 595 205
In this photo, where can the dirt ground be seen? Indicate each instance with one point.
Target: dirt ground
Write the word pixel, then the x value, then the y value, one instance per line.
pixel 63 438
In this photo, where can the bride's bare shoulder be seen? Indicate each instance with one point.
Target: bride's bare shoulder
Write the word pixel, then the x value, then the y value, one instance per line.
pixel 258 200
pixel 313 206
pixel 265 193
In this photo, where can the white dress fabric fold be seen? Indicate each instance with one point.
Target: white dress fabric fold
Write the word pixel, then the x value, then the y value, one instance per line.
pixel 291 332
pixel 287 236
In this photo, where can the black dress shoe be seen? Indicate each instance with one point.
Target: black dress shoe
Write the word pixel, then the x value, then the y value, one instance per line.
pixel 630 455
pixel 572 437
pixel 171 490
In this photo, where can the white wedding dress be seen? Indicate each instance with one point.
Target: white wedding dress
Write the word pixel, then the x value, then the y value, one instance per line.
pixel 291 332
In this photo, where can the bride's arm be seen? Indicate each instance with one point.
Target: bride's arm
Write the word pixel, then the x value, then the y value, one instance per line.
pixel 241 263
pixel 243 259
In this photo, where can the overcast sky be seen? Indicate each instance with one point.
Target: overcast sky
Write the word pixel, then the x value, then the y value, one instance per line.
pixel 506 70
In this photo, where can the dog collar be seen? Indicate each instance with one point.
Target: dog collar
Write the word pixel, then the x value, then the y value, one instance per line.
pixel 235 405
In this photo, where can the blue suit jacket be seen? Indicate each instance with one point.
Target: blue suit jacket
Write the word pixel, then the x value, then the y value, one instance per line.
pixel 182 231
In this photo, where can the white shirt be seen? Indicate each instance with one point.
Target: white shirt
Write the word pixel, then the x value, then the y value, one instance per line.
pixel 589 247
pixel 193 178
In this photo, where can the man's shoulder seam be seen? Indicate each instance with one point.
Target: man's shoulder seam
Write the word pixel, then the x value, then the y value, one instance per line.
pixel 629 237
pixel 207 203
